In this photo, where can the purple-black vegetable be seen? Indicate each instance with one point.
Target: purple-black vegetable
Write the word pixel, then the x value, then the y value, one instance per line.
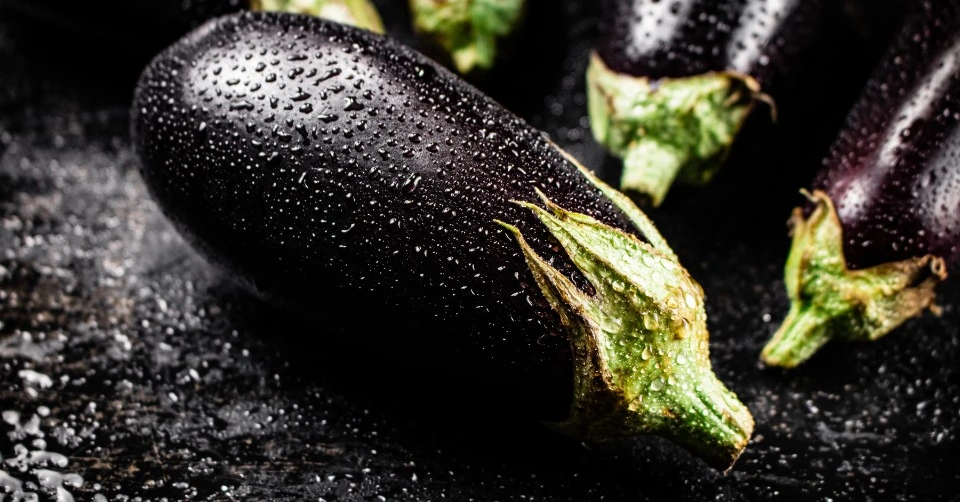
pixel 883 222
pixel 671 82
pixel 347 178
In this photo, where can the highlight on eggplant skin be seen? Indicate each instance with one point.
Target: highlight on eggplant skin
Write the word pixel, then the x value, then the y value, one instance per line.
pixel 883 224
pixel 353 181
pixel 670 83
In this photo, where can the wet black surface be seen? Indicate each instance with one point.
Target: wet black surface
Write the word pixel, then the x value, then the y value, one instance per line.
pixel 127 360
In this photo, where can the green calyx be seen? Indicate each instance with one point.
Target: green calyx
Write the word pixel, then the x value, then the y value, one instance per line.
pixel 359 13
pixel 639 343
pixel 829 301
pixel 667 129
pixel 467 29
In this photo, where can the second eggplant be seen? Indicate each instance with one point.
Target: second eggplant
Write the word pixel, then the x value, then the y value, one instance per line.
pixel 883 222
pixel 671 83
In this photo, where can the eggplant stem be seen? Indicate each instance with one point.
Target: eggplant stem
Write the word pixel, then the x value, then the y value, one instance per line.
pixel 668 130
pixel 802 334
pixel 829 301
pixel 639 342
pixel 639 219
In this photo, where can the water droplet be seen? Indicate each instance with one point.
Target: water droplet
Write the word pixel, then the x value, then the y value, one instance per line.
pixel 242 106
pixel 300 96
pixel 650 322
pixel 330 74
pixel 411 184
pixel 353 105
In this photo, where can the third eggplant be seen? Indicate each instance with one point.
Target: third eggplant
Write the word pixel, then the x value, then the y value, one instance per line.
pixel 882 225
pixel 671 83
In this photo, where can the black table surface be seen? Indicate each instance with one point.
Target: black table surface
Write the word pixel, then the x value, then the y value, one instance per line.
pixel 130 369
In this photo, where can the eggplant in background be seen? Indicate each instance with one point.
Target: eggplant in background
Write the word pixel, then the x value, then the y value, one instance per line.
pixel 670 83
pixel 882 224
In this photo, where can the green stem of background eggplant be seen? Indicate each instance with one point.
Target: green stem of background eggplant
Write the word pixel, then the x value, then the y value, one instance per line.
pixel 829 301
pixel 669 129
pixel 468 30
pixel 359 13
pixel 639 342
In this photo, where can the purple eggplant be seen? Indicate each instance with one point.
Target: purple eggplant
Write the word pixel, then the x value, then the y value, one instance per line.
pixel 883 223
pixel 670 83
pixel 351 180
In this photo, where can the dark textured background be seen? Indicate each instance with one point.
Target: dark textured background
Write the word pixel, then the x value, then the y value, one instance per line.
pixel 154 378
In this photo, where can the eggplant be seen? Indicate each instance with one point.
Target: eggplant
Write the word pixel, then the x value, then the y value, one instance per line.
pixel 670 83
pixel 348 179
pixel 468 31
pixel 882 225
pixel 148 26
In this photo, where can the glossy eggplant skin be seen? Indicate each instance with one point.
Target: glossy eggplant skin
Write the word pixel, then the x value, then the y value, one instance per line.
pixel 894 171
pixel 389 173
pixel 657 39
